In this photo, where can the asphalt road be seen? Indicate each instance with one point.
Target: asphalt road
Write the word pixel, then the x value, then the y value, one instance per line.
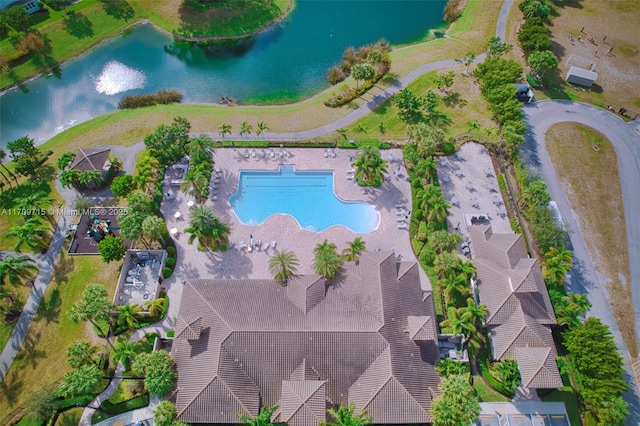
pixel 625 138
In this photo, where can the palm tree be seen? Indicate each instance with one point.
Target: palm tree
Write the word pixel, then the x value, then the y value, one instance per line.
pixel 200 148
pixel 473 125
pixel 466 267
pixel 557 263
pixel 475 314
pixel 220 233
pixel 262 419
pixel 202 221
pixel 370 167
pixel 197 180
pixel 327 263
pixel 124 351
pixel 245 128
pixel 31 233
pixel 445 264
pixel 224 129
pixel 283 265
pixel 154 227
pixel 262 127
pixel 343 133
pixel 38 200
pixel 353 250
pixel 574 310
pixel 456 286
pixel 382 129
pixel 155 306
pixel 345 416
pixel 14 268
pixel 361 128
pixel 3 156
pixel 438 210
pixel 128 314
pixel 456 324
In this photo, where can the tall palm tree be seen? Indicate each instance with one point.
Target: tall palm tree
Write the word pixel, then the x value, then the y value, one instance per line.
pixel 577 302
pixel 200 148
pixel 197 180
pixel 245 128
pixel 557 262
pixel 154 228
pixel 456 324
pixel 327 263
pixel 224 129
pixel 155 306
pixel 205 226
pixel 283 265
pixel 38 200
pixel 3 156
pixel 128 314
pixel 370 167
pixel 475 314
pixel 466 267
pixel 353 250
pixel 124 351
pixel 445 264
pixel 343 133
pixel 220 233
pixel 262 419
pixel 262 127
pixel 346 416
pixel 32 233
pixel 438 210
pixel 456 286
pixel 15 268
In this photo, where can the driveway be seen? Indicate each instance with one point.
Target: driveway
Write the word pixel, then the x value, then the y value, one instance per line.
pixel 625 138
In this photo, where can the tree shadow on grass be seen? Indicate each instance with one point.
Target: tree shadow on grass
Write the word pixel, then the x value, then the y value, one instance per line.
pixel 50 308
pixel 10 387
pixel 118 9
pixel 454 99
pixel 64 267
pixel 78 25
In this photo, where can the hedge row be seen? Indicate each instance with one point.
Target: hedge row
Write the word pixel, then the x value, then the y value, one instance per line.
pixel 161 97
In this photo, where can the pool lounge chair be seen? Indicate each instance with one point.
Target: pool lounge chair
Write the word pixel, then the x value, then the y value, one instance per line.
pixel 402 225
pixel 273 244
pixel 265 246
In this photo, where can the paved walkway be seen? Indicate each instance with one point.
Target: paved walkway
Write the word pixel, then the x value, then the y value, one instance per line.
pixel 625 138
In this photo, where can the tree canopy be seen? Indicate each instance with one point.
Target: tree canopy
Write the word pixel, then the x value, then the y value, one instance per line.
pixel 157 367
pixel 112 249
pixel 457 405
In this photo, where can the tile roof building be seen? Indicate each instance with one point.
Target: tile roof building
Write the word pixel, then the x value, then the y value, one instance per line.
pixel 519 310
pixel 369 339
pixel 90 159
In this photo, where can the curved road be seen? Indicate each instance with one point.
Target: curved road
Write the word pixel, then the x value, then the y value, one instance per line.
pixel 625 138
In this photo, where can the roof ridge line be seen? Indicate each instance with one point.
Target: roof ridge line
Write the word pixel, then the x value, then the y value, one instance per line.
pixel 209 305
pixel 407 391
pixel 215 376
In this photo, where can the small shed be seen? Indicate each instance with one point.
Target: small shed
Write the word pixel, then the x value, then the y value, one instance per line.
pixel 581 77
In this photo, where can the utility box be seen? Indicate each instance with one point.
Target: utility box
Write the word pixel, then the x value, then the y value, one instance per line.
pixel 581 77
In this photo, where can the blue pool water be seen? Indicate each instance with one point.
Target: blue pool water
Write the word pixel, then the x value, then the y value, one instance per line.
pixel 306 195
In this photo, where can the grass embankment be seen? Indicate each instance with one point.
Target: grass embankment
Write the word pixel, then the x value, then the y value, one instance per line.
pixel 95 20
pixel 41 360
pixel 587 166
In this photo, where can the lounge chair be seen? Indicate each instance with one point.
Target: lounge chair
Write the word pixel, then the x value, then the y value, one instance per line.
pixel 402 225
pixel 265 246
pixel 273 244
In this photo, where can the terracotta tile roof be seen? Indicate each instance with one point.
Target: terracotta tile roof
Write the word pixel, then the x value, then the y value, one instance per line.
pixel 519 310
pixel 256 339
pixel 90 159
pixel 538 368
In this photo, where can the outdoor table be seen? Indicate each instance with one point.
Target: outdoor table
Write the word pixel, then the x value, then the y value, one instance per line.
pixel 190 203
pixel 177 215
pixel 174 231
pixel 445 179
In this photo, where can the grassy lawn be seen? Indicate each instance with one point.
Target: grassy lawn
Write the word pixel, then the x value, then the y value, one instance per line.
pixel 70 417
pixel 41 360
pixel 11 218
pixel 485 393
pixel 590 178
pixel 567 395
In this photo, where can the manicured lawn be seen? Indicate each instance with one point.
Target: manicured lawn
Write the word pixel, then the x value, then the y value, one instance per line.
pixel 485 393
pixel 70 417
pixel 41 360
pixel 568 396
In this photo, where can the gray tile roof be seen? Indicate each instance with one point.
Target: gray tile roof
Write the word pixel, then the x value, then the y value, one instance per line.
pixel 90 159
pixel 257 338
pixel 539 367
pixel 519 310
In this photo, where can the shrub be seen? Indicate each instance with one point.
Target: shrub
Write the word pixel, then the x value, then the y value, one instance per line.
pixel 448 148
pixel 121 186
pixel 161 97
pixel 171 333
pixel 171 251
pixel 335 75
pixel 171 261
pixel 166 272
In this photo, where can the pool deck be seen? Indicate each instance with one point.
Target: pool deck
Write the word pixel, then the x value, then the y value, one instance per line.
pixel 236 263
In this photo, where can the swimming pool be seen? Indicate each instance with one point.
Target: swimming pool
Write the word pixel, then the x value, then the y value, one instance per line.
pixel 308 196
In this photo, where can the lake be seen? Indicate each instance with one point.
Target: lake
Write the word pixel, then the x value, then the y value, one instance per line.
pixel 284 64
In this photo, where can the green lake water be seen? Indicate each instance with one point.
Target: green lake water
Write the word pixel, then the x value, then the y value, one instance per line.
pixel 284 64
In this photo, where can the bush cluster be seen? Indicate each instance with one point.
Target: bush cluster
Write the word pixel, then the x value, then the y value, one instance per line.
pixel 535 39
pixel 377 54
pixel 347 94
pixel 452 11
pixel 161 97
